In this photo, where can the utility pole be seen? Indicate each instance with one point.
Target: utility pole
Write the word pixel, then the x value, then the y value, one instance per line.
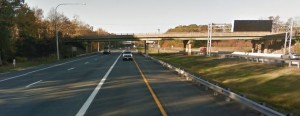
pixel 208 50
pixel 158 46
pixel 291 36
pixel 56 28
pixel 288 38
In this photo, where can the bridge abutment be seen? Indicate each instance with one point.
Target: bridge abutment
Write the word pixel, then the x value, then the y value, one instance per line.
pixel 88 47
pixel 261 46
pixel 146 45
pixel 187 46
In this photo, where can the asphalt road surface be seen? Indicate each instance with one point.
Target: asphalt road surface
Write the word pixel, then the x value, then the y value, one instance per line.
pixel 104 85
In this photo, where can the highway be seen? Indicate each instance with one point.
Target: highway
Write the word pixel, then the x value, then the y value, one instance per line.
pixel 104 85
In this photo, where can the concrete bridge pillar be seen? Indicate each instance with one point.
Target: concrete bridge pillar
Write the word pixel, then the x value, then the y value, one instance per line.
pixel 184 45
pixel 259 46
pixel 88 47
pixel 189 49
pixel 98 46
pixel 266 46
pixel 253 46
pixel 146 48
pixel 187 45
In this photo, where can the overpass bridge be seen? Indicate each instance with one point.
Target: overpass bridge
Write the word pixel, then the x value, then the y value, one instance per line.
pixel 182 36
pixel 260 40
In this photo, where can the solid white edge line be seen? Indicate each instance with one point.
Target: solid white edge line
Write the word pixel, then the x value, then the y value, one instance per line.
pixel 42 69
pixel 33 83
pixel 88 102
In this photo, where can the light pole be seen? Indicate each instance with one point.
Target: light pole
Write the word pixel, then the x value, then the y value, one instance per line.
pixel 158 46
pixel 56 19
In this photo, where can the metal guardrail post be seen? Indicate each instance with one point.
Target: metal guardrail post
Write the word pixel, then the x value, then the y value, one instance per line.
pixel 228 98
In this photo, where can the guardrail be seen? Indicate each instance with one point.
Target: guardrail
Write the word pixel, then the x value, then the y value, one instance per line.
pixel 273 58
pixel 258 54
pixel 239 98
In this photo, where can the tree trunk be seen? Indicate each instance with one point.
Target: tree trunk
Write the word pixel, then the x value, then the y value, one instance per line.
pixel 0 59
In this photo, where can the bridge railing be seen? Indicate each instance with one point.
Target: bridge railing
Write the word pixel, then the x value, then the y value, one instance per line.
pixel 217 34
pixel 183 33
pixel 123 33
pixel 262 108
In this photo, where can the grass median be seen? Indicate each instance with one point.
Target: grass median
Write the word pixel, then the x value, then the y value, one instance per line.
pixel 278 87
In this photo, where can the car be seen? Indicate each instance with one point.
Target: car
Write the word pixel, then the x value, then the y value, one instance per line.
pixel 291 56
pixel 106 50
pixel 127 55
pixel 203 50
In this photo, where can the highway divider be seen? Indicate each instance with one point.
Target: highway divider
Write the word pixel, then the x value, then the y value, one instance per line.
pixel 262 108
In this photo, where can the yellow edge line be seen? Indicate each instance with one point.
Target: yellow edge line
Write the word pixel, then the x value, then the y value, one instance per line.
pixel 162 110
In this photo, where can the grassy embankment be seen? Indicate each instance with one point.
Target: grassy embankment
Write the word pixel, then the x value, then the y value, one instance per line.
pixel 279 87
pixel 27 64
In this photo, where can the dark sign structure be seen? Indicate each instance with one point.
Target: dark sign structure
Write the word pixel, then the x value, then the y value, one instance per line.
pixel 252 25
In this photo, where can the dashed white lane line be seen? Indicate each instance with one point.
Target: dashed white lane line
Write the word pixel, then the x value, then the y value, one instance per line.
pixel 33 83
pixel 88 102
pixel 86 62
pixel 71 68
pixel 9 78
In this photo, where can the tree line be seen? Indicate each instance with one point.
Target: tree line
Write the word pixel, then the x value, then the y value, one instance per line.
pixel 26 33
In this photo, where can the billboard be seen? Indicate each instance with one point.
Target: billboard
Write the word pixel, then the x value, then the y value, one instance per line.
pixel 252 25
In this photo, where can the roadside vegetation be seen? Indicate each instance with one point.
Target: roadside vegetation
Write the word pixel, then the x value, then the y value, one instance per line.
pixel 26 34
pixel 278 87
pixel 22 65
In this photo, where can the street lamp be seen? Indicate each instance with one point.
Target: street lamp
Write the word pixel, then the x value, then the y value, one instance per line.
pixel 158 46
pixel 56 19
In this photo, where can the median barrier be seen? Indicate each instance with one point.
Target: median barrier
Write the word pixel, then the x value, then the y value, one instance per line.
pixel 292 62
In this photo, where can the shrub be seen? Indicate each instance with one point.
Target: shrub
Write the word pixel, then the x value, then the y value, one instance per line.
pixel 21 59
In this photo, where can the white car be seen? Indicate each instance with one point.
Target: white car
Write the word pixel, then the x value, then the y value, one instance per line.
pixel 106 50
pixel 292 56
pixel 127 55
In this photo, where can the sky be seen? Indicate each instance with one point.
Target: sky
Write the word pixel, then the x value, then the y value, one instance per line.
pixel 151 16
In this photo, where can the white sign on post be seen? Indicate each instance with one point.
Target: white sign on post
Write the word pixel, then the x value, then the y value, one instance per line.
pixel 14 63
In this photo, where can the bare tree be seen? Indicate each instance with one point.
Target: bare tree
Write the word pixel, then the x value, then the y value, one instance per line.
pixel 277 24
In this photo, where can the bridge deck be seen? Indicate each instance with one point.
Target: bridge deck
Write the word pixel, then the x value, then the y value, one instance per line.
pixel 185 36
